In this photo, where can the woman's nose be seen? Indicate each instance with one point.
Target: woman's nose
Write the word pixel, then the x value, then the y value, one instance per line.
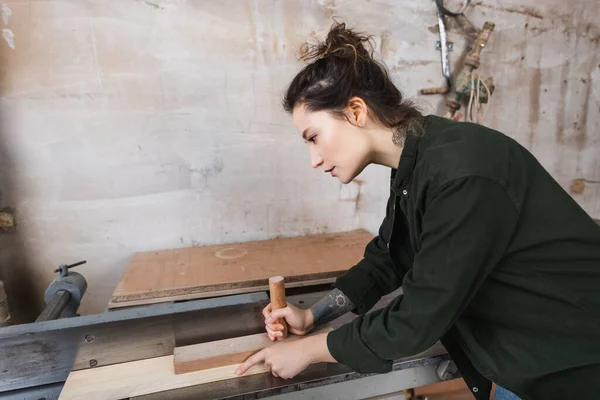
pixel 315 159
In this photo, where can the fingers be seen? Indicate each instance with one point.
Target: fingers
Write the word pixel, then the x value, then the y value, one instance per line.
pixel 254 359
pixel 274 327
pixel 274 334
pixel 271 334
pixel 276 314
pixel 267 311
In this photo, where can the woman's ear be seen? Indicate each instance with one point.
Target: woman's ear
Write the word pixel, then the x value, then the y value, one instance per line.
pixel 356 112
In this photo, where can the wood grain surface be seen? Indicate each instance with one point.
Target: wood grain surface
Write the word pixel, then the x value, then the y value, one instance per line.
pixel 198 272
pixel 121 381
pixel 202 356
pixel 154 375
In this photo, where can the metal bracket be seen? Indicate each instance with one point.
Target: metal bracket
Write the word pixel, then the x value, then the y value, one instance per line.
pixel 449 45
pixel 446 370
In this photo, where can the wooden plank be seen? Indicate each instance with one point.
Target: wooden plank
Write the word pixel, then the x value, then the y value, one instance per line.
pixel 220 353
pixel 153 375
pixel 121 381
pixel 203 356
pixel 316 375
pixel 198 272
pixel 197 296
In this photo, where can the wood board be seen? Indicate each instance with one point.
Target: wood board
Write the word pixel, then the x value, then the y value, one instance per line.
pixel 121 381
pixel 220 353
pixel 199 272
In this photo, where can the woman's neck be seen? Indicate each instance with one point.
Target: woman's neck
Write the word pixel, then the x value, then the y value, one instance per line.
pixel 383 150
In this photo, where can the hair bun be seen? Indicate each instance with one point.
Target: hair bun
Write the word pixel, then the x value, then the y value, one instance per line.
pixel 341 42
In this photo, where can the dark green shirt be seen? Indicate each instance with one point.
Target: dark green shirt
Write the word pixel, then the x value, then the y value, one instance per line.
pixel 488 246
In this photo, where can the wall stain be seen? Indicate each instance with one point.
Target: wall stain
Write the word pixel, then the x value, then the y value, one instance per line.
pixel 538 30
pixel 209 172
pixel 523 44
pixel 589 31
pixel 460 25
pixel 534 103
pixel 156 6
pixel 384 48
pixel 562 101
pixel 529 11
pixel 552 21
pixel 581 129
pixel 413 63
pixel 357 200
pixel 592 33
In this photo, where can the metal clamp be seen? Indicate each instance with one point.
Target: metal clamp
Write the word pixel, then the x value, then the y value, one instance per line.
pixel 64 294
pixel 446 370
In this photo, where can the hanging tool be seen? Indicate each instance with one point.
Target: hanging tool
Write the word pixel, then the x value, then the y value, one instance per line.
pixel 444 46
pixel 469 83
pixel 469 86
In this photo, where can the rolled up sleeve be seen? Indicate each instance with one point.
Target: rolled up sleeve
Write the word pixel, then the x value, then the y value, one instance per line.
pixel 466 229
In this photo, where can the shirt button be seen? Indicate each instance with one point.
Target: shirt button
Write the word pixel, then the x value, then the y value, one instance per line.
pixel 404 192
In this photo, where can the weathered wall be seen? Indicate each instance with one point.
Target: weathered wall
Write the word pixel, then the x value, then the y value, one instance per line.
pixel 136 125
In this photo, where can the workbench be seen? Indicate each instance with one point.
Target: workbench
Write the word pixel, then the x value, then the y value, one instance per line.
pixel 36 359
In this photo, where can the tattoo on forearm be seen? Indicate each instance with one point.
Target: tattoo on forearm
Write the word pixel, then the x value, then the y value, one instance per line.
pixel 330 307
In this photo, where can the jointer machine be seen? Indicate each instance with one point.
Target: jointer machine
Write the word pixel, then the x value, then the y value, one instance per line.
pixel 37 358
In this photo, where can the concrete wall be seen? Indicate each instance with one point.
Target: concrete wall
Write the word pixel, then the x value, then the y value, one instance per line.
pixel 139 125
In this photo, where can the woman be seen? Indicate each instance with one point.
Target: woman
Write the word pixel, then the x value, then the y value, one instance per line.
pixel 495 259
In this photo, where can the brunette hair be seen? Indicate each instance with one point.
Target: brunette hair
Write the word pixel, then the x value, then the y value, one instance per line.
pixel 340 68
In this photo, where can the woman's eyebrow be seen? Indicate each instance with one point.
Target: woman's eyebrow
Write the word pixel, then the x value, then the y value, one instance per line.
pixel 305 132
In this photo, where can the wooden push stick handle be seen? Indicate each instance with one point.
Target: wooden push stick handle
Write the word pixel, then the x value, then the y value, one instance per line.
pixel 277 291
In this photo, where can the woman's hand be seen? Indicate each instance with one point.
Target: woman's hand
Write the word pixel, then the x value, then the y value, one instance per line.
pixel 288 359
pixel 300 322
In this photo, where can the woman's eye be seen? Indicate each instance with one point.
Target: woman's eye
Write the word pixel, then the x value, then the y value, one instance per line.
pixel 313 139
